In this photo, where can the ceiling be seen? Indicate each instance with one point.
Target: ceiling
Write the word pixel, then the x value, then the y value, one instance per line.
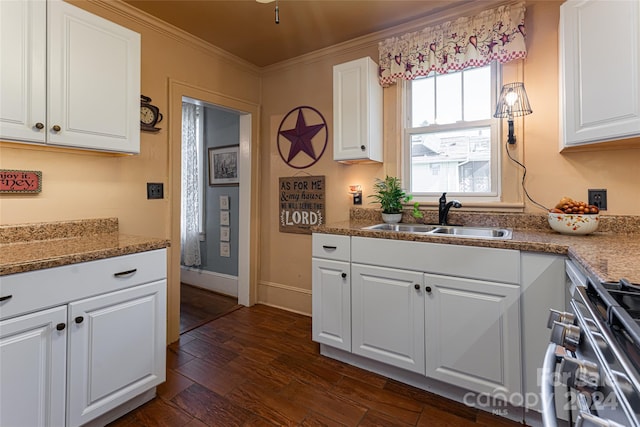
pixel 248 30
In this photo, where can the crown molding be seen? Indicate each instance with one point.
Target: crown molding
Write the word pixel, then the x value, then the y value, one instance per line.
pixel 151 22
pixel 464 8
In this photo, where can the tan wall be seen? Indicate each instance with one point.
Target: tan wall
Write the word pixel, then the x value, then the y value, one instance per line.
pixel 552 175
pixel 84 185
pixel 285 278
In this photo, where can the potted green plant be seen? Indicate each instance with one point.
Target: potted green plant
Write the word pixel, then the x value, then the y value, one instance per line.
pixel 389 193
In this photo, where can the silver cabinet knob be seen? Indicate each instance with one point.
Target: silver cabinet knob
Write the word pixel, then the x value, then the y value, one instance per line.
pixel 559 316
pixel 580 374
pixel 567 336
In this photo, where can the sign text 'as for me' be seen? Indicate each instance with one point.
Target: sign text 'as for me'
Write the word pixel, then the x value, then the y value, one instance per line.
pixel 302 203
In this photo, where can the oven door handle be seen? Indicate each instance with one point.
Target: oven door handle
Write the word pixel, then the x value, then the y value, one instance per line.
pixel 549 418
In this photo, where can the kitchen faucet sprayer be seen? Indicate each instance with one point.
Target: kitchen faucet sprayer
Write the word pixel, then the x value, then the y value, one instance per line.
pixel 443 208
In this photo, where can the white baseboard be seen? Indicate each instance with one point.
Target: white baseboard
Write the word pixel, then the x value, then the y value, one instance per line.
pixel 216 282
pixel 290 298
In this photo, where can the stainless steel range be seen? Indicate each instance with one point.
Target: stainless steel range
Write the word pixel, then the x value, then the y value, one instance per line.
pixel 593 361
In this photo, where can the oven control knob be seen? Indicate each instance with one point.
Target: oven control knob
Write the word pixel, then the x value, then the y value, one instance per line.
pixel 559 316
pixel 589 420
pixel 567 336
pixel 580 374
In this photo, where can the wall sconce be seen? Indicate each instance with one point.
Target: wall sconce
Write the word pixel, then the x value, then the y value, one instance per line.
pixel 513 101
pixel 356 191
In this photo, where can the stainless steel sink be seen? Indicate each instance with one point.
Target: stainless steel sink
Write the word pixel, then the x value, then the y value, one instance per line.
pixel 404 228
pixel 447 230
pixel 474 232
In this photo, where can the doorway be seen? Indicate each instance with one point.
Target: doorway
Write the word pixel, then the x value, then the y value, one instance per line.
pixel 209 212
pixel 247 267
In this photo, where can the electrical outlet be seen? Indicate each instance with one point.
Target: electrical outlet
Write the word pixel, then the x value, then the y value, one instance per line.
pixel 155 190
pixel 598 198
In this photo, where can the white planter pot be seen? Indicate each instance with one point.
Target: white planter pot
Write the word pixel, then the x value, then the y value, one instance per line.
pixel 391 218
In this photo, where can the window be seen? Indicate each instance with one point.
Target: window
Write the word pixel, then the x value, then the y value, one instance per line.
pixel 452 138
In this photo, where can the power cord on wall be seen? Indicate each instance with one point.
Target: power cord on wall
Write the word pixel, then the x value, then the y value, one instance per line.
pixel 506 147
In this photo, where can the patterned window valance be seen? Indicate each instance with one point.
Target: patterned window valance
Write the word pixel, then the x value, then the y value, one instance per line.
pixel 496 34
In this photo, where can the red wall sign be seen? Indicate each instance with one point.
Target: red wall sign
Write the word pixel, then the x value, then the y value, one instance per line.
pixel 19 181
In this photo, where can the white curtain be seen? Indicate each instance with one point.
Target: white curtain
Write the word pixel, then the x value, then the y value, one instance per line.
pixel 190 217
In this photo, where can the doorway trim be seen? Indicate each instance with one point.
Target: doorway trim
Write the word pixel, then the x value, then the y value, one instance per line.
pixel 248 244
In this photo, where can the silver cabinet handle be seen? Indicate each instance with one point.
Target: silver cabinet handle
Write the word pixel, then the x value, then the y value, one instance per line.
pixel 547 388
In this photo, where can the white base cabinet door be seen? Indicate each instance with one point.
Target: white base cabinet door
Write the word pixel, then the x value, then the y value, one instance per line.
pixel 473 334
pixel 117 349
pixel 331 303
pixel 388 316
pixel 33 352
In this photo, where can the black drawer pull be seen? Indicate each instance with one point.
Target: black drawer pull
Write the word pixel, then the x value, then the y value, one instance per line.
pixel 6 298
pixel 333 248
pixel 428 289
pixel 79 319
pixel 344 275
pixel 125 273
pixel 417 287
pixel 60 326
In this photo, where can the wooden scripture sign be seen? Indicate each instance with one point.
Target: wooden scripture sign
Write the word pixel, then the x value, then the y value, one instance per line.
pixel 301 203
pixel 19 181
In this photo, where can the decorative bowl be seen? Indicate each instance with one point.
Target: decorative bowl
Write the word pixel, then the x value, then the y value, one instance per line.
pixel 574 223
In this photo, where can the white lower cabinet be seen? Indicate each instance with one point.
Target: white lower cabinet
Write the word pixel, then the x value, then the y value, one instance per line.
pixel 449 316
pixel 116 349
pixel 331 303
pixel 33 354
pixel 472 334
pixel 79 341
pixel 387 314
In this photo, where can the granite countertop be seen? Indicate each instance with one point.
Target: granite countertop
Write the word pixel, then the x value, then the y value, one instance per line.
pixel 28 247
pixel 609 255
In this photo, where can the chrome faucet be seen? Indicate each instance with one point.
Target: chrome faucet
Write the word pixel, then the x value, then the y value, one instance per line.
pixel 443 208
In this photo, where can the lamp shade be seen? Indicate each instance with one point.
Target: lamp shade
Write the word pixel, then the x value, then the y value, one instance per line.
pixel 513 101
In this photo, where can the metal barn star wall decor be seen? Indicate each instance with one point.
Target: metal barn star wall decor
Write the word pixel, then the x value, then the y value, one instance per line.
pixel 305 142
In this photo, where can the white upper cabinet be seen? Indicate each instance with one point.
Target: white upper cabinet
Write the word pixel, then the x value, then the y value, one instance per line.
pixel 69 78
pixel 599 85
pixel 357 112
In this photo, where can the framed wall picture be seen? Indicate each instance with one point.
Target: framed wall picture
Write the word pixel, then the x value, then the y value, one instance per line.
pixel 223 165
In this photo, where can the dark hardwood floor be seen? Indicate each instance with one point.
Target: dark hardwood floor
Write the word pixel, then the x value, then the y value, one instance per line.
pixel 199 306
pixel 257 366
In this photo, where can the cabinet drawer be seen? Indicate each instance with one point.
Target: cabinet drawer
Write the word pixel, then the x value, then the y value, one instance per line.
pixel 36 290
pixel 331 246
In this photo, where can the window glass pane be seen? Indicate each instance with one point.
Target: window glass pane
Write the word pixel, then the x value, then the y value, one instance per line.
pixel 477 94
pixel 423 111
pixel 448 98
pixel 454 161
